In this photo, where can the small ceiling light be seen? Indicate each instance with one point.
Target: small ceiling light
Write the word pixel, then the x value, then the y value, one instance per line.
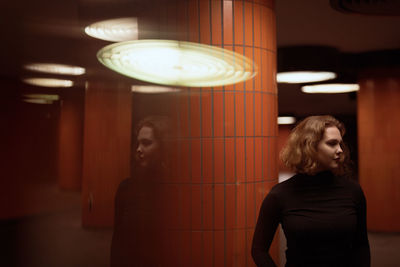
pixel 177 63
pixel 55 68
pixel 286 120
pixel 48 82
pixel 330 88
pixel 153 89
pixel 304 76
pixel 38 101
pixel 114 30
pixel 42 96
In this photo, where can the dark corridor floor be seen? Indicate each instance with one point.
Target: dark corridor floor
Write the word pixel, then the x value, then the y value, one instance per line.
pixel 56 238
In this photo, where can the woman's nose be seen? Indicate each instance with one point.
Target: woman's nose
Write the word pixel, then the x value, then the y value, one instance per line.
pixel 139 149
pixel 339 150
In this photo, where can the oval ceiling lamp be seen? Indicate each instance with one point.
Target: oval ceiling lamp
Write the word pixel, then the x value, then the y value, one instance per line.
pixel 38 101
pixel 177 63
pixel 148 89
pixel 50 97
pixel 304 76
pixel 286 120
pixel 55 68
pixel 48 82
pixel 114 30
pixel 330 88
pixel 306 64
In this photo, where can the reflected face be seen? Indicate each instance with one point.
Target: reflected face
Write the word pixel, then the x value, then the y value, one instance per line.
pixel 329 149
pixel 147 150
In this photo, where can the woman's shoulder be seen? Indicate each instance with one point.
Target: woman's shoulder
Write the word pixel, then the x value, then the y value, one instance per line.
pixel 285 185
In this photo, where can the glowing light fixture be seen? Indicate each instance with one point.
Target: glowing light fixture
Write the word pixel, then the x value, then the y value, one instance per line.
pixel 177 63
pixel 114 30
pixel 38 101
pixel 330 88
pixel 48 82
pixel 153 89
pixel 55 68
pixel 42 96
pixel 286 120
pixel 304 76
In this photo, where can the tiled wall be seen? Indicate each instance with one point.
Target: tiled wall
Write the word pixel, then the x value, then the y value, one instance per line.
pixel 225 158
pixel 379 148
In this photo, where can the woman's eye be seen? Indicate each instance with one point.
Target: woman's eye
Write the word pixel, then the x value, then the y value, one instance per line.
pixel 146 142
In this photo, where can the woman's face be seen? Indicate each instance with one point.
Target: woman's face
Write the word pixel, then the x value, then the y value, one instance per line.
pixel 147 150
pixel 329 150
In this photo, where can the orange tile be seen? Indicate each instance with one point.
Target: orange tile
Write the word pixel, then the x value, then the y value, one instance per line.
pixel 265 72
pixel 196 203
pixel 258 114
pixel 218 114
pixel 270 71
pixel 274 157
pixel 230 160
pixel 266 159
pixel 250 205
pixel 219 160
pixel 185 255
pixel 240 85
pixel 266 102
pixel 239 246
pixel 265 27
pixel 250 159
pixel 230 206
pixel 219 248
pixel 195 161
pixel 228 24
pixel 219 202
pixel 229 245
pixel 208 248
pixel 229 114
pixel 204 22
pixel 249 240
pixel 239 113
pixel 208 161
pixel 248 23
pixel 258 158
pixel 257 25
pixel 193 21
pixel 186 206
pixel 194 115
pixel 216 22
pixel 238 22
pixel 257 68
pixel 183 173
pixel 241 206
pixel 184 116
pixel 249 114
pixel 197 249
pixel 206 114
pixel 208 207
pixel 249 84
pixel 240 160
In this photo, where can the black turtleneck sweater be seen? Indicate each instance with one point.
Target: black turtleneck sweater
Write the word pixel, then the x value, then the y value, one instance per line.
pixel 324 220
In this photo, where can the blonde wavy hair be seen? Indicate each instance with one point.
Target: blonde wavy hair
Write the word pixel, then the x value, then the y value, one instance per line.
pixel 300 152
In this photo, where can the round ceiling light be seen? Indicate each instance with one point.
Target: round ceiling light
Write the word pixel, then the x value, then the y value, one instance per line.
pixel 330 88
pixel 48 82
pixel 55 68
pixel 43 96
pixel 114 30
pixel 177 63
pixel 286 120
pixel 304 76
pixel 153 89
pixel 38 101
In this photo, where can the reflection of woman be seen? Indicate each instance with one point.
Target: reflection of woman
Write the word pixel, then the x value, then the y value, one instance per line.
pixel 136 201
pixel 322 212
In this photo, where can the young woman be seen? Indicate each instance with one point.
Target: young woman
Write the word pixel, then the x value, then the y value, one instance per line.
pixel 321 210
pixel 137 199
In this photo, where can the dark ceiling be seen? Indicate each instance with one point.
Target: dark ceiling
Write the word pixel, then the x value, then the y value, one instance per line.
pixel 52 30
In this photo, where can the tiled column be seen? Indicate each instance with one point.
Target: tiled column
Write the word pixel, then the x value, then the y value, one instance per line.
pixel 226 150
pixel 379 148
